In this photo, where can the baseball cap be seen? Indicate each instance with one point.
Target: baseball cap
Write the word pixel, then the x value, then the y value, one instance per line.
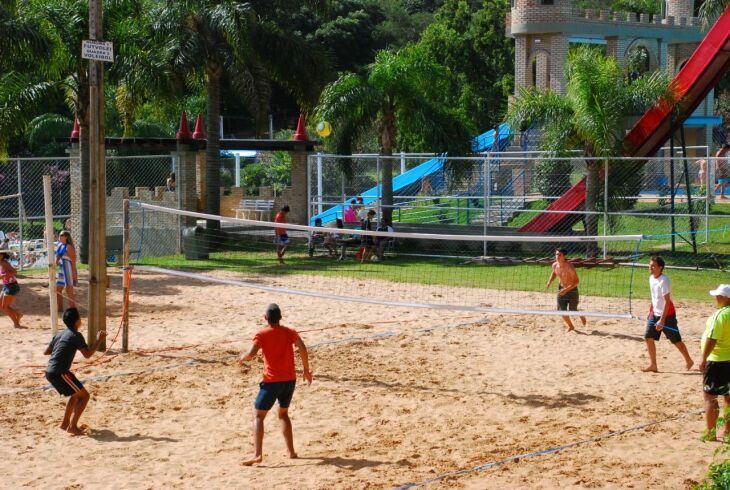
pixel 722 290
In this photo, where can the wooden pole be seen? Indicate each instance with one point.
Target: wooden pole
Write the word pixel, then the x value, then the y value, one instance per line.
pixel 97 183
pixel 125 284
pixel 48 205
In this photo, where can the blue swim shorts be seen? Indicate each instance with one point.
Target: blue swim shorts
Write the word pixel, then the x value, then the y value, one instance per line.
pixel 283 391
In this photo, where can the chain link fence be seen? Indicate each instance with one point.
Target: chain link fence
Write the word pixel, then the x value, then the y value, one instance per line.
pixel 680 204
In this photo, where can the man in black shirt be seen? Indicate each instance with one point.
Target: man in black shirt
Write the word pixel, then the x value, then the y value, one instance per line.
pixel 62 350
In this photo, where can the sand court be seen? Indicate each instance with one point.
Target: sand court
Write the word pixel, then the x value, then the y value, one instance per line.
pixel 399 397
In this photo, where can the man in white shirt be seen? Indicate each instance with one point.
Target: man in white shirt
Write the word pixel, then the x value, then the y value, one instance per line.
pixel 662 316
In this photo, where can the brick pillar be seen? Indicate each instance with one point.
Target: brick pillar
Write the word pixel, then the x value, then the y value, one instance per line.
pixel 298 199
pixel 558 55
pixel 523 73
pixel 542 70
pixel 612 47
pixel 75 189
pixel 187 196
pixel 201 165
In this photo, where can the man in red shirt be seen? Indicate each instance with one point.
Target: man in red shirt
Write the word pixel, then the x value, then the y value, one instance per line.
pixel 282 239
pixel 276 341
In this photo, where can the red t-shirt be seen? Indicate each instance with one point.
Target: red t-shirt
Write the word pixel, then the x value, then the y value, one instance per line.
pixel 280 218
pixel 276 344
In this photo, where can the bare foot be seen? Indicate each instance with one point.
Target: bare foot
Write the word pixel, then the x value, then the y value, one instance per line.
pixel 650 369
pixel 571 328
pixel 583 320
pixel 293 455
pixel 252 461
pixel 75 431
pixel 689 364
pixel 16 323
pixel 63 426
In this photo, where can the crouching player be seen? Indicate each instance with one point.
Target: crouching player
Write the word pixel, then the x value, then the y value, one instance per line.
pixel 62 350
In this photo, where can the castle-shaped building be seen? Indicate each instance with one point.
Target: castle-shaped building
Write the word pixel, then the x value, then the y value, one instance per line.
pixel 544 30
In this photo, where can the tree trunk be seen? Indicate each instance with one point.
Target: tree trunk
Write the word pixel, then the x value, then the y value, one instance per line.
pixel 212 155
pixel 592 188
pixel 387 138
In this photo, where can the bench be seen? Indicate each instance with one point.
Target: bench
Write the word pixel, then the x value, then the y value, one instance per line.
pixel 259 207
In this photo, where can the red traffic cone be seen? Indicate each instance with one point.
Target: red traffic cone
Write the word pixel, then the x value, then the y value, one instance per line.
pixel 184 132
pixel 199 132
pixel 76 131
pixel 301 133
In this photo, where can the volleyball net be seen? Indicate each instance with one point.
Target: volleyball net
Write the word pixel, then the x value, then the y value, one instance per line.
pixel 463 270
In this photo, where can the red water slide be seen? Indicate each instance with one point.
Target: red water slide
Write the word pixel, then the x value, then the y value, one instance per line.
pixel 699 75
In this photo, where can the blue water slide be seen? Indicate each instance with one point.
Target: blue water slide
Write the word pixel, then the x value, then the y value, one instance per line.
pixel 491 141
pixel 484 142
pixel 371 195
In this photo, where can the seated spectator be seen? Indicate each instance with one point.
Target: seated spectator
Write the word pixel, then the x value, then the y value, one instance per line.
pixel 171 183
pixel 380 241
pixel 320 238
pixel 351 212
pixel 345 240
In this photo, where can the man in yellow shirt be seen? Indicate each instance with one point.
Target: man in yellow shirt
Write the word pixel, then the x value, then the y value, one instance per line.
pixel 716 358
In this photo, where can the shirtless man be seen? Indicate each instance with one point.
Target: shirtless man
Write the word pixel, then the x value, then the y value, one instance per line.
pixel 568 286
pixel 721 169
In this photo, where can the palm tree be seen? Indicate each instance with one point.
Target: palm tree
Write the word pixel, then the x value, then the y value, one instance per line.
pixel 591 117
pixel 22 88
pixel 711 10
pixel 230 41
pixel 66 22
pixel 402 92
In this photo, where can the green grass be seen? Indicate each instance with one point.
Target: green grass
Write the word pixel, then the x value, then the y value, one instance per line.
pixel 613 282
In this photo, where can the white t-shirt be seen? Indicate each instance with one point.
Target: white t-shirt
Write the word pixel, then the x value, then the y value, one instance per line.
pixel 659 287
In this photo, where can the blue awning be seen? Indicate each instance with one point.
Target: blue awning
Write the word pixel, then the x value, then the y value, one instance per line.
pixel 586 40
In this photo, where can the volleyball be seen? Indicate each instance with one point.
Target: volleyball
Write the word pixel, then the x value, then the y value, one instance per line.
pixel 324 129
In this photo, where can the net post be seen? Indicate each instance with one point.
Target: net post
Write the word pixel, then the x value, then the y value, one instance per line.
pixel 48 211
pixel 125 276
pixel 605 204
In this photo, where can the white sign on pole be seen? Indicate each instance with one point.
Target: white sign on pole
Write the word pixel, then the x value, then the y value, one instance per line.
pixel 97 50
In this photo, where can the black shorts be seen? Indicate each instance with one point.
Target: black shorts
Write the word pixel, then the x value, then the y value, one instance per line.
pixel 671 329
pixel 65 383
pixel 11 289
pixel 283 391
pixel 716 378
pixel 569 301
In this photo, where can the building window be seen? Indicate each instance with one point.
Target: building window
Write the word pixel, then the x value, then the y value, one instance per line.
pixel 547 2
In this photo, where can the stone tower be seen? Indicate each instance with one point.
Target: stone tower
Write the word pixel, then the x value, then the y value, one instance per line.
pixel 544 30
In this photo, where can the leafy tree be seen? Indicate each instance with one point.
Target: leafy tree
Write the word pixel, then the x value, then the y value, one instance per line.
pixel 590 117
pixel 468 39
pixel 402 91
pixel 208 40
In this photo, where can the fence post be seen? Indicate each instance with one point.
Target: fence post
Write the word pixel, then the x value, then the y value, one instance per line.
pixel 487 198
pixel 377 186
pixel 237 157
pixel 20 215
pixel 319 182
pixel 50 253
pixel 402 162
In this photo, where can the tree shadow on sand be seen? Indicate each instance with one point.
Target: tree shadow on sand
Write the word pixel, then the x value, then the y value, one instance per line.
pixel 106 435
pixel 339 462
pixel 557 401
pixel 621 336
